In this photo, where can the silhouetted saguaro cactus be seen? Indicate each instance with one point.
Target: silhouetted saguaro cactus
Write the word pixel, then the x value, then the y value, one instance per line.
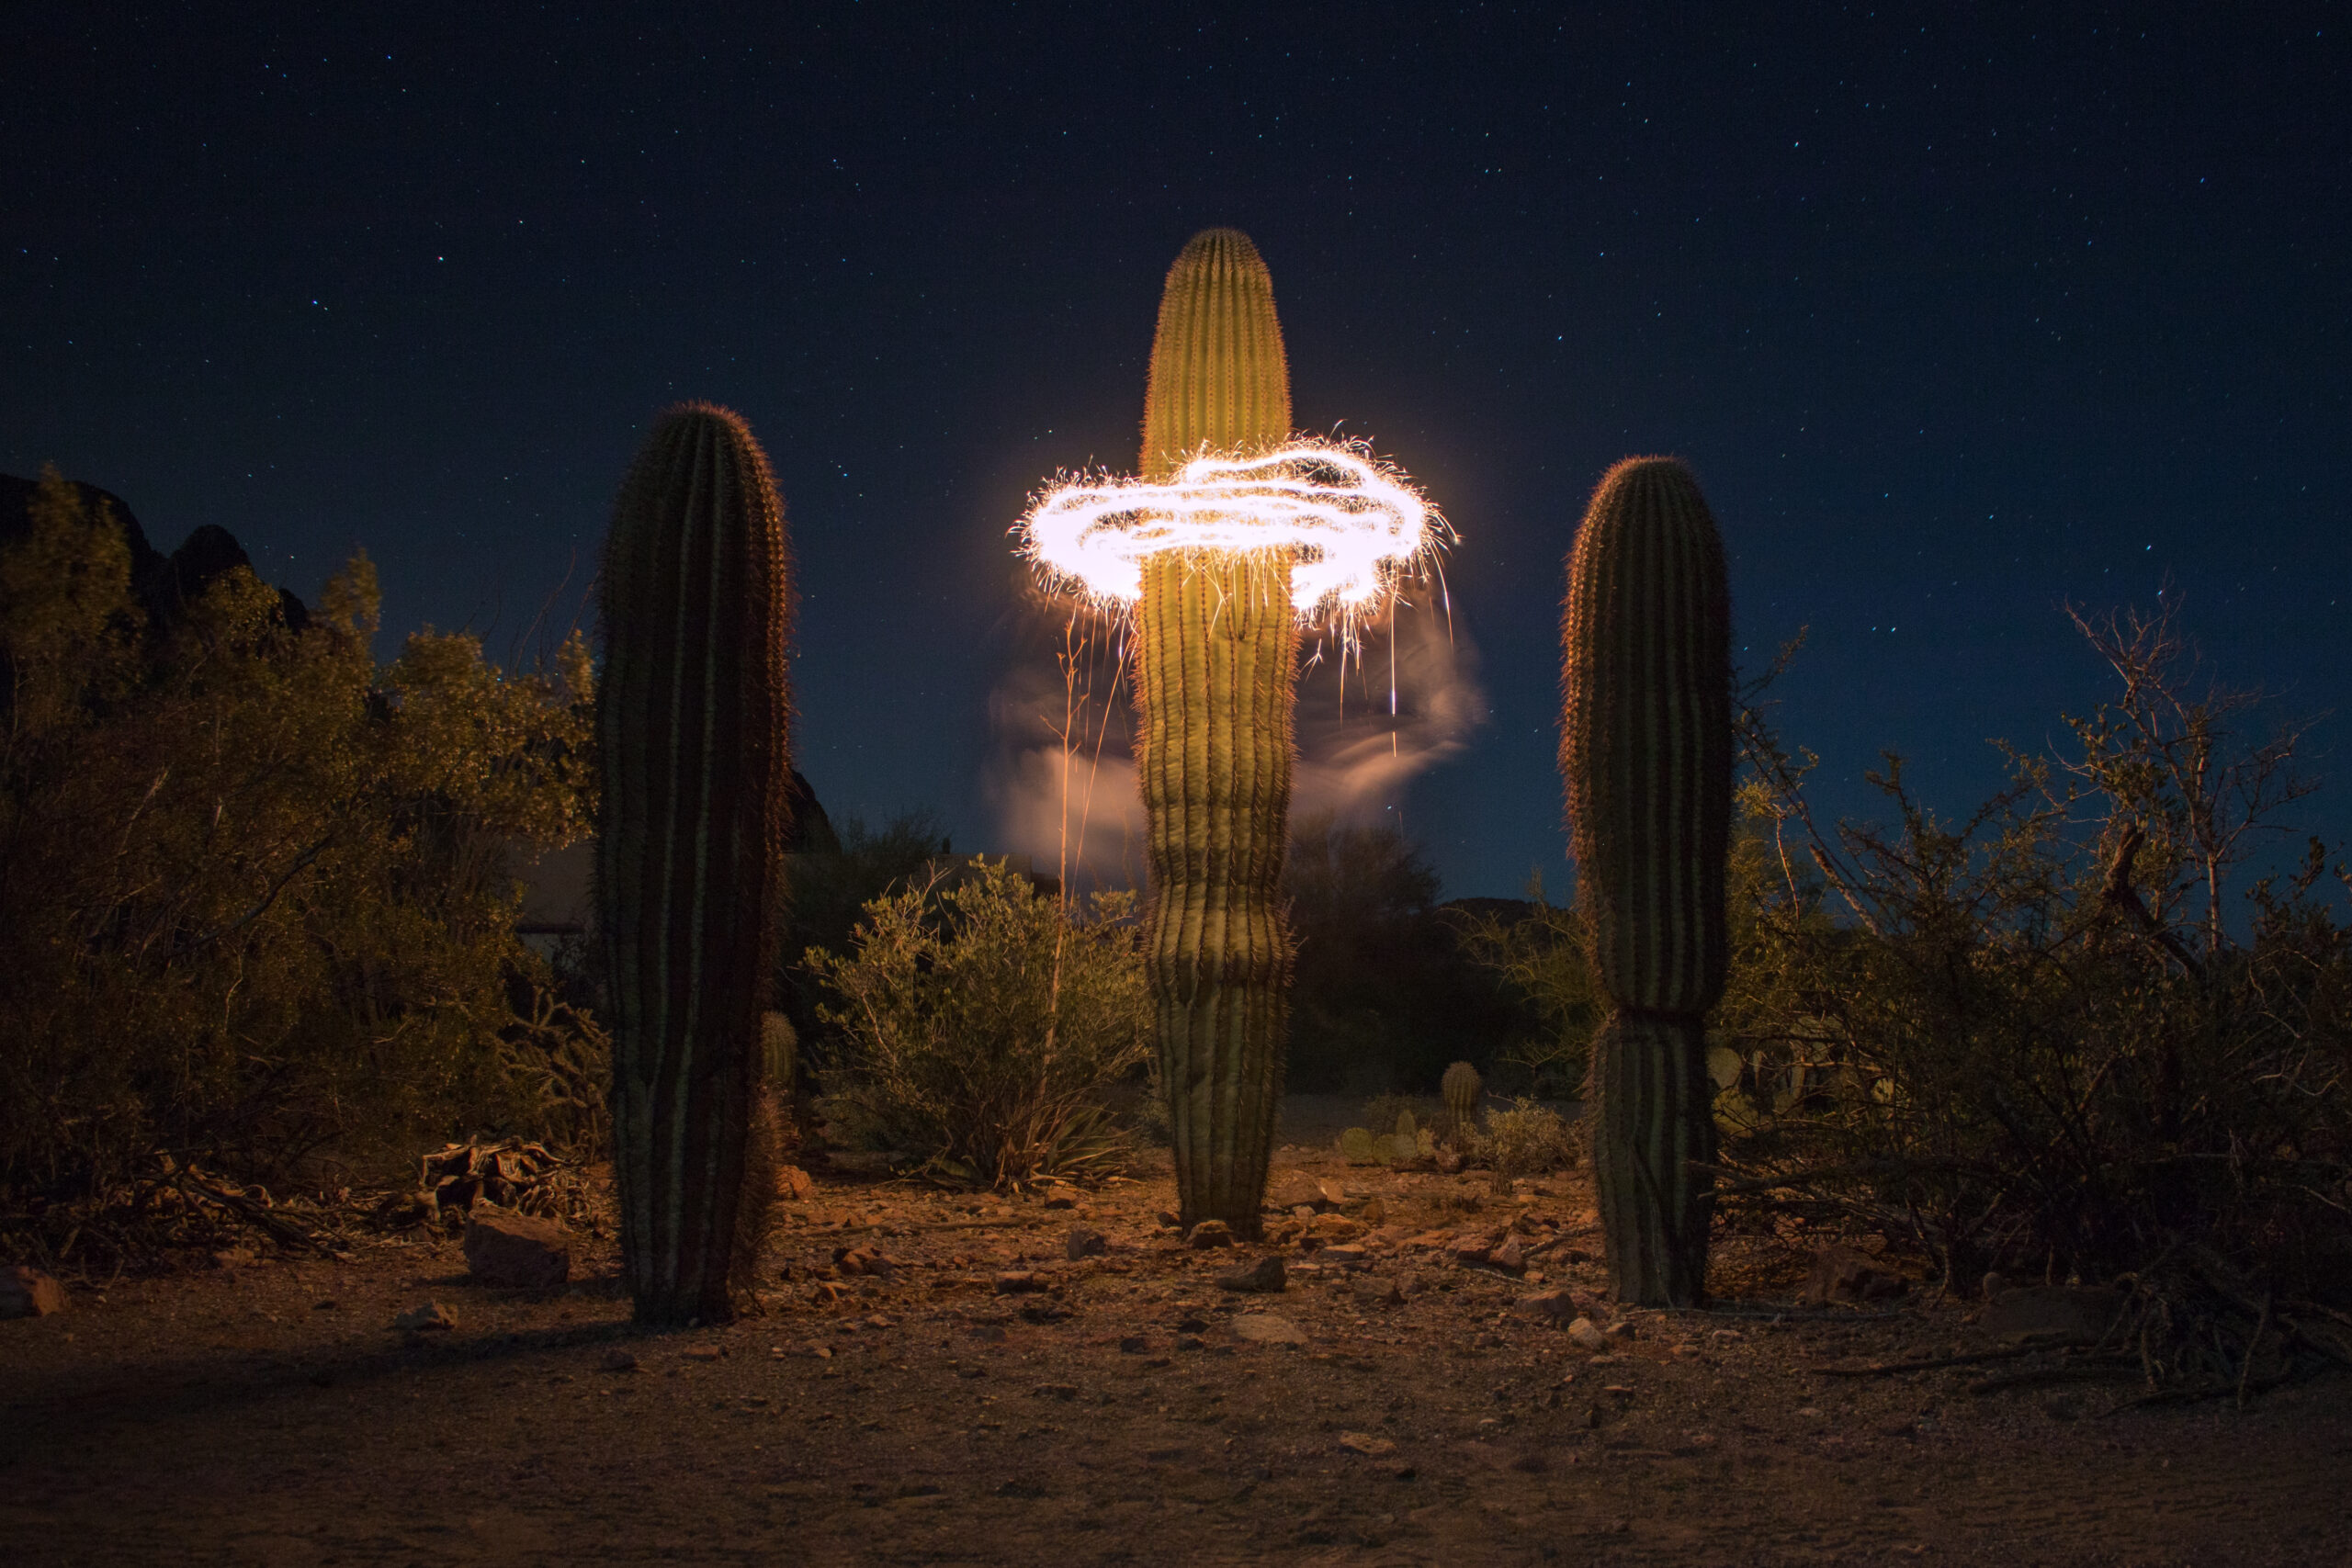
pixel 1646 752
pixel 693 720
pixel 1216 641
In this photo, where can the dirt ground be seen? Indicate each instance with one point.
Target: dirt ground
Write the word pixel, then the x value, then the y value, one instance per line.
pixel 266 1413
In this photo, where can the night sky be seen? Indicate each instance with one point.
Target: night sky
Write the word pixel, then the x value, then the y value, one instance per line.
pixel 1956 317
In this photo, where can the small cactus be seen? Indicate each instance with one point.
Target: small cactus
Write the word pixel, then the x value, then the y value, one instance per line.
pixel 1357 1147
pixel 1462 1088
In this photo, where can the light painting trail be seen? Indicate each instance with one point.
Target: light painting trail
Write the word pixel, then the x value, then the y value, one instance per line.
pixel 1349 523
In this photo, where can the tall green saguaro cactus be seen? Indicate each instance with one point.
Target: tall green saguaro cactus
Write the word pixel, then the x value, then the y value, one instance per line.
pixel 1646 752
pixel 693 722
pixel 1216 644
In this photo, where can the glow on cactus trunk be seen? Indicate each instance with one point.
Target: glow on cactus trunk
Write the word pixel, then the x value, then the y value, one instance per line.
pixel 1349 523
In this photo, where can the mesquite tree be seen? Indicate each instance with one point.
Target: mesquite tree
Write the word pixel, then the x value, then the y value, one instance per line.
pixel 1645 751
pixel 693 726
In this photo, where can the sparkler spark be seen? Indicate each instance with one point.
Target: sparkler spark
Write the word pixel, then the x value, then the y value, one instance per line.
pixel 1349 523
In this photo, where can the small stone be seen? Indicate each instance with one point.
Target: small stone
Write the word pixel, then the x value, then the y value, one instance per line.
pixel 1379 1292
pixel 1045 1311
pixel 1062 1391
pixel 1190 1342
pixel 619 1362
pixel 1019 1281
pixel 1470 1252
pixel 506 1248
pixel 1302 1213
pixel 1345 1255
pixel 703 1353
pixel 1170 1220
pixel 1621 1329
pixel 1134 1345
pixel 1553 1306
pixel 1087 1241
pixel 794 1185
pixel 1267 1328
pixel 1061 1200
pixel 428 1318
pixel 1366 1443
pixel 990 1333
pixel 1508 1256
pixel 1586 1333
pixel 27 1292
pixel 1265 1276
pixel 1333 1228
pixel 1209 1234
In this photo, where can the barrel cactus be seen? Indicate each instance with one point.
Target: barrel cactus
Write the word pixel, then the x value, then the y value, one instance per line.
pixel 1216 641
pixel 1646 752
pixel 1461 1087
pixel 693 724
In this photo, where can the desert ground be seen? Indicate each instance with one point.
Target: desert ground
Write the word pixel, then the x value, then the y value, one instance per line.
pixel 936 1378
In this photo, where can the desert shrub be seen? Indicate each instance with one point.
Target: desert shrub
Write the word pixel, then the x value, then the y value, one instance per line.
pixel 2036 1036
pixel 1539 951
pixel 981 1025
pixel 1528 1139
pixel 260 891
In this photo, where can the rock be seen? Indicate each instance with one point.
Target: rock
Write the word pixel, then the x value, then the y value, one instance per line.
pixel 1553 1306
pixel 2070 1312
pixel 1019 1281
pixel 1842 1273
pixel 1266 1328
pixel 1366 1443
pixel 506 1248
pixel 1134 1345
pixel 1449 1159
pixel 427 1318
pixel 1345 1255
pixel 1296 1192
pixel 1191 1342
pixel 1045 1311
pixel 1470 1251
pixel 1061 1199
pixel 1333 1227
pixel 1379 1292
pixel 26 1292
pixel 1586 1333
pixel 1509 1258
pixel 1333 1193
pixel 795 1184
pixel 1265 1275
pixel 1209 1234
pixel 1374 1212
pixel 863 1262
pixel 1086 1242
pixel 704 1353
pixel 1061 1391
pixel 619 1362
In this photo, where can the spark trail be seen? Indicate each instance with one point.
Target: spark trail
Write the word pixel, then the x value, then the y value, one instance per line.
pixel 1350 524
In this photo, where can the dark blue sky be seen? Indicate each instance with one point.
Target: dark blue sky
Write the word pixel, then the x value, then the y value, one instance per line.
pixel 1957 312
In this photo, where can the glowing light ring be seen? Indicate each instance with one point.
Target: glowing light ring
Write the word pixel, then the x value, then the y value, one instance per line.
pixel 1348 523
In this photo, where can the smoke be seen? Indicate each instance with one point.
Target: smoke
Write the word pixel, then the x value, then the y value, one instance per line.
pixel 1076 805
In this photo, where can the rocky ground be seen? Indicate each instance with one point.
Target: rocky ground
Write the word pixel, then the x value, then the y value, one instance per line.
pixel 938 1379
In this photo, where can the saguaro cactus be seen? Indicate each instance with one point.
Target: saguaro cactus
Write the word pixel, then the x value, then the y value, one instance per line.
pixel 692 718
pixel 1646 753
pixel 1217 639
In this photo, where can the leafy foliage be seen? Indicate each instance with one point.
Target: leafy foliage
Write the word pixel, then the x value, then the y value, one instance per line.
pixel 983 1023
pixel 261 892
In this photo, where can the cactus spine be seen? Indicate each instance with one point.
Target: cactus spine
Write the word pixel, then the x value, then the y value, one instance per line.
pixel 1216 642
pixel 1461 1087
pixel 1646 753
pixel 691 720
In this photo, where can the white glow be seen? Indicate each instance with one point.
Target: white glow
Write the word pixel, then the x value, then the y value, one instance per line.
pixel 1348 523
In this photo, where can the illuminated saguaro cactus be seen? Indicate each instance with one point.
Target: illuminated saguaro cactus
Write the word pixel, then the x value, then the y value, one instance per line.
pixel 1232 532
pixel 1646 752
pixel 691 719
pixel 1216 640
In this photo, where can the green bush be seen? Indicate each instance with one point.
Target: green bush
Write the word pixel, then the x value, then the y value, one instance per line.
pixel 981 1026
pixel 260 892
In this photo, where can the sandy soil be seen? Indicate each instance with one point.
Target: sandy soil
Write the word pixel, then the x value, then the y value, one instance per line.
pixel 265 1412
